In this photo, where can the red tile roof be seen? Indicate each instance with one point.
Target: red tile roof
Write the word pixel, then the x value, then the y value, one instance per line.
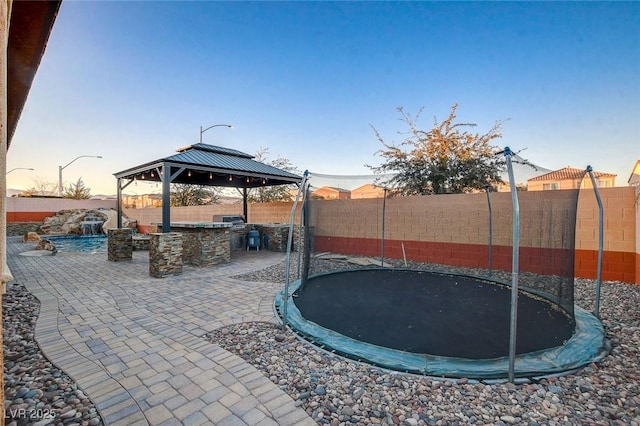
pixel 567 173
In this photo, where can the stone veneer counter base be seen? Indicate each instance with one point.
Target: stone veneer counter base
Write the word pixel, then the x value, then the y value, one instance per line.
pixel 204 243
pixel 165 254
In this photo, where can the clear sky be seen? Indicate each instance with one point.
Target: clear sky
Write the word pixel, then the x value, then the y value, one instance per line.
pixel 133 81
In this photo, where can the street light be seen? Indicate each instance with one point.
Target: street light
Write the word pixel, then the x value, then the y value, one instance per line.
pixel 19 168
pixel 60 168
pixel 211 127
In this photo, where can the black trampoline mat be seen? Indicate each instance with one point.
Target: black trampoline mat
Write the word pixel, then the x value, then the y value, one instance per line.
pixel 430 313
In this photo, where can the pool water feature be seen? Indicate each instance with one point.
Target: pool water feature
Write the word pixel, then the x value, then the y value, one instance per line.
pixel 85 243
pixel 92 225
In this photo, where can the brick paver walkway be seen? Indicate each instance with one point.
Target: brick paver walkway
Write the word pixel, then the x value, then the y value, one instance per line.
pixel 134 343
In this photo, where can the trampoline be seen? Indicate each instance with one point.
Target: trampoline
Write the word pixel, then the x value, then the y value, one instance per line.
pixel 430 313
pixel 468 302
pixel 439 324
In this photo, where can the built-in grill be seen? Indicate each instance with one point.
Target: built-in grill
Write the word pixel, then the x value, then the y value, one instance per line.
pixel 236 220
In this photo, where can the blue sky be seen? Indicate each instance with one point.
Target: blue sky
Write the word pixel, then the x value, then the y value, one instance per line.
pixel 133 81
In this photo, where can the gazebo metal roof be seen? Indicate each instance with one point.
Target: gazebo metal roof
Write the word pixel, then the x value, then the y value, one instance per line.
pixel 202 164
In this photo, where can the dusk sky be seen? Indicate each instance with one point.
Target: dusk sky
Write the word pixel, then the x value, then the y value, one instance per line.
pixel 133 81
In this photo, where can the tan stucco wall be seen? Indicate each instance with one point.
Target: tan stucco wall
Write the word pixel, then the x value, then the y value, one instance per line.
pixel 5 13
pixel 455 218
pixel 28 204
pixel 258 213
pixel 462 219
pixel 619 220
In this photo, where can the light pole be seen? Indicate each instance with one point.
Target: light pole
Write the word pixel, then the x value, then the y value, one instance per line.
pixel 60 168
pixel 19 168
pixel 211 127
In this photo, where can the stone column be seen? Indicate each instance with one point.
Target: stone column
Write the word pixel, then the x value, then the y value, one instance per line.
pixel 165 254
pixel 120 244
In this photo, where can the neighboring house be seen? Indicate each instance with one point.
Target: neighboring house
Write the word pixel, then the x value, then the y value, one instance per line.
pixel 142 201
pixel 331 193
pixel 569 178
pixel 634 179
pixel 367 191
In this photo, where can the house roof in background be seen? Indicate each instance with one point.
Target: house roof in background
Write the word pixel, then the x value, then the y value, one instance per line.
pixel 368 187
pixel 332 188
pixel 568 173
pixel 634 179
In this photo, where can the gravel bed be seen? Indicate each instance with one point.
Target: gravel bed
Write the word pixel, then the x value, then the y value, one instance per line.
pixel 336 391
pixel 36 392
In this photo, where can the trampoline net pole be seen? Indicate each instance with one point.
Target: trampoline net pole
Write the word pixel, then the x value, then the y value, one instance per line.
pixel 490 242
pixel 306 241
pixel 514 266
pixel 301 225
pixel 384 208
pixel 596 311
pixel 289 246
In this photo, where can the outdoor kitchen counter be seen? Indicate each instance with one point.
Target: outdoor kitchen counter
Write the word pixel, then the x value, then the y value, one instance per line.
pixel 192 225
pixel 204 243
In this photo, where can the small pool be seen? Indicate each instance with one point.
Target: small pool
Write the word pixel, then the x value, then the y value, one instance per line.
pixel 85 243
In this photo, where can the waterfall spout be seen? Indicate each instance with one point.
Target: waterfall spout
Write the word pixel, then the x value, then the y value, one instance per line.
pixel 92 225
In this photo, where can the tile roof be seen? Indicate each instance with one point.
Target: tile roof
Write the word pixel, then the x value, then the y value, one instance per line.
pixel 567 173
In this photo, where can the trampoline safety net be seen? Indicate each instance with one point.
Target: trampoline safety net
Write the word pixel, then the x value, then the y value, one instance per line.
pixel 424 284
pixel 350 225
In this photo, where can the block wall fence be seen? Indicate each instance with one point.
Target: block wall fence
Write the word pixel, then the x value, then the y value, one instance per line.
pixel 448 229
pixel 26 209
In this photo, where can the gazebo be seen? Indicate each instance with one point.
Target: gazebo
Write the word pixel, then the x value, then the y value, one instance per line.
pixel 202 164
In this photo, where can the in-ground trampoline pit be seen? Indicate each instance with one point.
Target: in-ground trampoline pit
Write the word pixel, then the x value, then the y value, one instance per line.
pixel 440 324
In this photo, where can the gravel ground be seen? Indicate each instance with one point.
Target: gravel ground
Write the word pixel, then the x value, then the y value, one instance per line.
pixel 36 392
pixel 337 391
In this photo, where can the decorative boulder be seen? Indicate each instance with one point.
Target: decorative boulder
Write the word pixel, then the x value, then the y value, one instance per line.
pixel 83 221
pixel 31 236
pixel 46 245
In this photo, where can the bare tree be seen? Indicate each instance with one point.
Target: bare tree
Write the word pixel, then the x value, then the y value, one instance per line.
pixel 446 159
pixel 41 187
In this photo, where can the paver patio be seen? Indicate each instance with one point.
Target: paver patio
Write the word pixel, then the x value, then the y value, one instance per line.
pixel 135 346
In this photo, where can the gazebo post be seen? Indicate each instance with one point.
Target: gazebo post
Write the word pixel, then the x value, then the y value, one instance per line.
pixel 245 208
pixel 166 198
pixel 119 201
pixel 119 204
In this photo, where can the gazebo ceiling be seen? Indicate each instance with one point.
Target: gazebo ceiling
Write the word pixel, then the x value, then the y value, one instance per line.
pixel 202 164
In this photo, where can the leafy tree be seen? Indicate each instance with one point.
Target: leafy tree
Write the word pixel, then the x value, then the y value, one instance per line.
pixel 267 194
pixel 77 191
pixel 446 159
pixel 192 195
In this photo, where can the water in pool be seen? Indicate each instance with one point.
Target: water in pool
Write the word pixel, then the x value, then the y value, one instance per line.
pixel 86 243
